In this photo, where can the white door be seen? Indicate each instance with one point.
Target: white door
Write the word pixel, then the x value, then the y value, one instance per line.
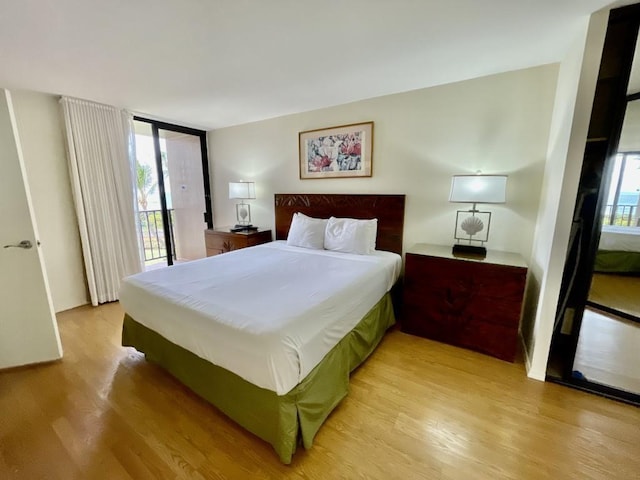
pixel 28 328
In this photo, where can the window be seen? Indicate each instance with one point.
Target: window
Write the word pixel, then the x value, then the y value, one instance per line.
pixel 623 203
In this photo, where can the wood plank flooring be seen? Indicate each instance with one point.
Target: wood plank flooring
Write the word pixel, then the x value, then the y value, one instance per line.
pixel 621 292
pixel 609 351
pixel 417 409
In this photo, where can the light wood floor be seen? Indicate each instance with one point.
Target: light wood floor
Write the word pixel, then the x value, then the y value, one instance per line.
pixel 609 351
pixel 621 292
pixel 417 409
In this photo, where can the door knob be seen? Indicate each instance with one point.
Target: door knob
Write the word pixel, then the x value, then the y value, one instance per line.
pixel 26 244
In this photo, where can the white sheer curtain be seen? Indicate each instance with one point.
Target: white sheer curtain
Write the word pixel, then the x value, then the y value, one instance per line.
pixel 100 147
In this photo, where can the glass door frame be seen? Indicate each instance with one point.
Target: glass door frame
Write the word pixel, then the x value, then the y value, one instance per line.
pixel 156 126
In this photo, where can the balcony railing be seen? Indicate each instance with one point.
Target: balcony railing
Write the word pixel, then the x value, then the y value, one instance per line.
pixel 622 215
pixel 152 234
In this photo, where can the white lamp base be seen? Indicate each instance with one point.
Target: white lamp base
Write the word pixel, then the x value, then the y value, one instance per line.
pixel 243 214
pixel 472 226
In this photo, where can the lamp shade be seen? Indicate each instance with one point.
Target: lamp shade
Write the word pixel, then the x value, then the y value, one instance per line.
pixel 243 190
pixel 478 189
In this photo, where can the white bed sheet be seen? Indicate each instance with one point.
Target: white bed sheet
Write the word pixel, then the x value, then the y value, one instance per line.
pixel 614 237
pixel 268 313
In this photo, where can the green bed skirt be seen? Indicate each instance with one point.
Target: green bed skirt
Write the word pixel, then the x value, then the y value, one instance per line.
pixel 281 420
pixel 615 261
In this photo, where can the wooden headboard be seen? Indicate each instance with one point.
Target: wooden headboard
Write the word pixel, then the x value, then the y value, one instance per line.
pixel 388 209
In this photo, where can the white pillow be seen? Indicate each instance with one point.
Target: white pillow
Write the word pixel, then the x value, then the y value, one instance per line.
pixel 306 232
pixel 349 235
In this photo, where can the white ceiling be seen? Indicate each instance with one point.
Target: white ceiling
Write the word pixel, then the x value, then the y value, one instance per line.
pixel 215 63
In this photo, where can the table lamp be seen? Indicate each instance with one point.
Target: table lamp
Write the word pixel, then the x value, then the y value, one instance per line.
pixel 472 226
pixel 242 191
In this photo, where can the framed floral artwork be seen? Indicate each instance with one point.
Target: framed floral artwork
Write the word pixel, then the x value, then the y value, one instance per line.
pixel 336 152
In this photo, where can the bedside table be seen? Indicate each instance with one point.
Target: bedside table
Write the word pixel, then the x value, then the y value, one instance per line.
pixel 465 301
pixel 221 240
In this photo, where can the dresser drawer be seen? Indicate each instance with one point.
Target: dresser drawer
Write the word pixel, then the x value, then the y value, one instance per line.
pixel 222 240
pixel 223 243
pixel 471 304
pixel 497 282
pixel 497 340
pixel 258 238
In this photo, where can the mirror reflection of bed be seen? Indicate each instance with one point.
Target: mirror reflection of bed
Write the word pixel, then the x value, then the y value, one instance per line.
pixel 616 278
pixel 609 344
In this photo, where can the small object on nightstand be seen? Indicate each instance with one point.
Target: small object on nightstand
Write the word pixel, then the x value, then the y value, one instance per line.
pixel 243 228
pixel 469 250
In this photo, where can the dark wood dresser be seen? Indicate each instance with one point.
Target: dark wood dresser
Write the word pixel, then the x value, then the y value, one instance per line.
pixel 221 240
pixel 464 301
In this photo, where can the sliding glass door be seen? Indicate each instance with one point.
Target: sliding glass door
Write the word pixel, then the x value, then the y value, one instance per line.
pixel 173 192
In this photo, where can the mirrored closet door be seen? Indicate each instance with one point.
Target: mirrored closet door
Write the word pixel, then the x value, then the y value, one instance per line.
pixel 608 351
pixel 596 340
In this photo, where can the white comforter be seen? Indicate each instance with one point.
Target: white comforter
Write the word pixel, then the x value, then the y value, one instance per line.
pixel 268 313
pixel 626 239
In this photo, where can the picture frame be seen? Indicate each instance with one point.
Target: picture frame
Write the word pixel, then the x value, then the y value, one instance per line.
pixel 345 151
pixel 472 233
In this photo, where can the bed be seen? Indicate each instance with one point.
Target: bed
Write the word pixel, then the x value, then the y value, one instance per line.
pixel 277 368
pixel 618 250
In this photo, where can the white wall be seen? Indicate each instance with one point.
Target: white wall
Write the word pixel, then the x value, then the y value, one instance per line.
pixel 571 115
pixel 497 124
pixel 41 132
